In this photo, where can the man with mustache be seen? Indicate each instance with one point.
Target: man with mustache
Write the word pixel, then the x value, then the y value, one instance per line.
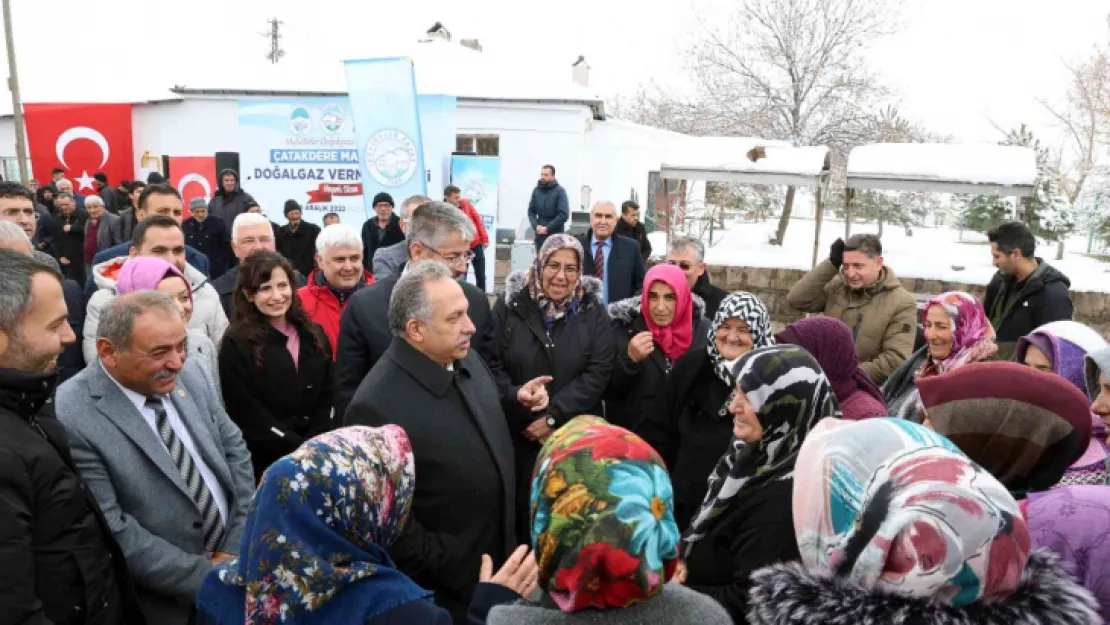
pixel 439 233
pixel 61 564
pixel 433 385
pixel 169 468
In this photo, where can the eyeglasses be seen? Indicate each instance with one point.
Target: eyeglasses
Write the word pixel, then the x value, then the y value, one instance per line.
pixel 454 260
pixel 554 269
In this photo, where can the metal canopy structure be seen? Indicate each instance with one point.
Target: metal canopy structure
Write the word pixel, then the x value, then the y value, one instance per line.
pixel 753 161
pixel 977 169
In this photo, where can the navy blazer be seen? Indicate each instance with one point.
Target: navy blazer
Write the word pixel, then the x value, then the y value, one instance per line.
pixel 625 273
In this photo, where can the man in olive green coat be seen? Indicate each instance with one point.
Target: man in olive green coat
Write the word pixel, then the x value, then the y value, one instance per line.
pixel 855 287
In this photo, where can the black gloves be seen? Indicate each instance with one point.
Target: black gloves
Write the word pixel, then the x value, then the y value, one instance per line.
pixel 836 253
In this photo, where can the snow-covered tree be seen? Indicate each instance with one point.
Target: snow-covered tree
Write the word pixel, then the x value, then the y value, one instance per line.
pixel 1053 216
pixel 982 212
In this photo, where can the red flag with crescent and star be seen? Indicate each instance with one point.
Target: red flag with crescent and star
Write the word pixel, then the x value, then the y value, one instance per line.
pixel 82 139
pixel 193 177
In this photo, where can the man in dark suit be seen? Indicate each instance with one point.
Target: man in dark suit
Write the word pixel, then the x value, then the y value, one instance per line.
pixel 614 260
pixel 381 230
pixel 438 233
pixel 434 386
pixel 168 467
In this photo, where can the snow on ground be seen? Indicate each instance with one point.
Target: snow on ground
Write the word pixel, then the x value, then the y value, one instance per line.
pixel 930 253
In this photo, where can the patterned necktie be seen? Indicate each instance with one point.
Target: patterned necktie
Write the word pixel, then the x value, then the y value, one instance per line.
pixel 599 261
pixel 194 483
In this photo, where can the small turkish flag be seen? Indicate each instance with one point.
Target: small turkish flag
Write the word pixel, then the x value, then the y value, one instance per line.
pixel 193 176
pixel 82 139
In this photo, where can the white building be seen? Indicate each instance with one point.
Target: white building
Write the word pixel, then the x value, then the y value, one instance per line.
pixel 527 118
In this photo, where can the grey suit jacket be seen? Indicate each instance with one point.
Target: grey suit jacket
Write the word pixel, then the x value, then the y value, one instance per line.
pixel 140 489
pixel 110 232
pixel 387 261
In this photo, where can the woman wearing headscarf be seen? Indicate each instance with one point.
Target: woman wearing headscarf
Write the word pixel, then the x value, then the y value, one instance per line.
pixel 745 522
pixel 1098 383
pixel 652 331
pixel 317 534
pixel 1026 427
pixel 550 322
pixel 895 525
pixel 1061 347
pixel 691 427
pixel 957 332
pixel 147 273
pixel 602 522
pixel 830 341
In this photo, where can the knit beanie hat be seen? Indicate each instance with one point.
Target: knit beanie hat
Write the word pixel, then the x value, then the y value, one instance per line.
pixel 290 206
pixel 383 197
pixel 197 202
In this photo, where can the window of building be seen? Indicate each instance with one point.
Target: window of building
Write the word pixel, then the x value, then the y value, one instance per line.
pixel 482 145
pixel 9 168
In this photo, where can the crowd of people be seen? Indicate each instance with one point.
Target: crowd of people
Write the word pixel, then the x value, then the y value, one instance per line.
pixel 221 420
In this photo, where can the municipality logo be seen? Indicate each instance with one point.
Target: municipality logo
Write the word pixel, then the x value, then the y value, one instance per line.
pixel 300 120
pixel 332 118
pixel 391 157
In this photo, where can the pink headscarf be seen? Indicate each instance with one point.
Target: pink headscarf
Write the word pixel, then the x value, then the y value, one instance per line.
pixel 972 333
pixel 143 273
pixel 676 338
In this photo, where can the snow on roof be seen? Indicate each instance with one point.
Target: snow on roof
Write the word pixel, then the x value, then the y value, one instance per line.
pixel 442 68
pixel 957 168
pixel 730 158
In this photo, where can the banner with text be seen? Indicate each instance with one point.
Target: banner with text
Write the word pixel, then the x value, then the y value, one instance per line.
pixel 382 94
pixel 479 177
pixel 301 149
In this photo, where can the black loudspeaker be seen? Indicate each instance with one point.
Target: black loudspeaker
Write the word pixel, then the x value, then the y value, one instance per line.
pixel 229 160
pixel 166 167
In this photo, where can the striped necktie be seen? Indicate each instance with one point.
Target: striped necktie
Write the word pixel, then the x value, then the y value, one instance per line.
pixel 599 261
pixel 194 483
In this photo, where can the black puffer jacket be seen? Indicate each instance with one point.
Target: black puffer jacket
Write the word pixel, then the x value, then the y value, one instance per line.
pixel 578 354
pixel 787 594
pixel 1042 299
pixel 636 388
pixel 58 560
pixel 688 429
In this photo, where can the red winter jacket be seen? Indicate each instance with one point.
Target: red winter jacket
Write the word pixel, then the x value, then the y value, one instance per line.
pixel 482 238
pixel 322 306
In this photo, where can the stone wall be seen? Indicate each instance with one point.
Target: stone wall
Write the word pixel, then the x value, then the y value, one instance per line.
pixel 772 285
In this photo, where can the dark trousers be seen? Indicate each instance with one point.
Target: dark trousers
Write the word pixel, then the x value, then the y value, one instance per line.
pixel 540 240
pixel 479 265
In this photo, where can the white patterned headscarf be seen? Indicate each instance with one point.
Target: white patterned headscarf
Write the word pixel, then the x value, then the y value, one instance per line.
pixel 750 309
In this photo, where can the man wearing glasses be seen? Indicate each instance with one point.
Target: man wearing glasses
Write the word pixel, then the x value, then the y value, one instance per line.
pixel 437 232
pixel 688 254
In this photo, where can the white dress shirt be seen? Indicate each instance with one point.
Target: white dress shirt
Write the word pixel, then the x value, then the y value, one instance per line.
pixel 179 428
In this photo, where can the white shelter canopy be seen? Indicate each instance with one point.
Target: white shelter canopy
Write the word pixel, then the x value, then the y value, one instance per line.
pixel 973 168
pixel 730 159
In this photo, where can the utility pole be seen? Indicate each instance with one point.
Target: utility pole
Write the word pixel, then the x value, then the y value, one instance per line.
pixel 13 86
pixel 274 35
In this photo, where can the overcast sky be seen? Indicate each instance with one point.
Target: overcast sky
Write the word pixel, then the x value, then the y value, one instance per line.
pixel 956 65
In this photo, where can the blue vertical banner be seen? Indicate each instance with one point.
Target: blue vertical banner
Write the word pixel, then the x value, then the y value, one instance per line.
pixel 437 130
pixel 386 117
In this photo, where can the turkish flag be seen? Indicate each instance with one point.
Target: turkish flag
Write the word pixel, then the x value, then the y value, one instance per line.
pixel 193 177
pixel 82 139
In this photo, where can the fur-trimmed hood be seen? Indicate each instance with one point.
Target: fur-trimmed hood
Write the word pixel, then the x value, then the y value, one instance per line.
pixel 787 594
pixel 516 283
pixel 626 311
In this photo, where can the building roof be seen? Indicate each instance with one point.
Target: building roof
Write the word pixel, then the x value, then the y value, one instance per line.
pixel 953 168
pixel 747 160
pixel 442 68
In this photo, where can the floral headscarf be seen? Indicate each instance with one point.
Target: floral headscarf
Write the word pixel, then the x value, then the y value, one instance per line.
pixel 1023 425
pixel 886 504
pixel 314 545
pixel 602 517
pixel 750 309
pixel 676 338
pixel 972 333
pixel 787 388
pixel 553 311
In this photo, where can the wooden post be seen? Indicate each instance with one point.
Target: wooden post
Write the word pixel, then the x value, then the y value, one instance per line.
pixel 819 218
pixel 17 104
